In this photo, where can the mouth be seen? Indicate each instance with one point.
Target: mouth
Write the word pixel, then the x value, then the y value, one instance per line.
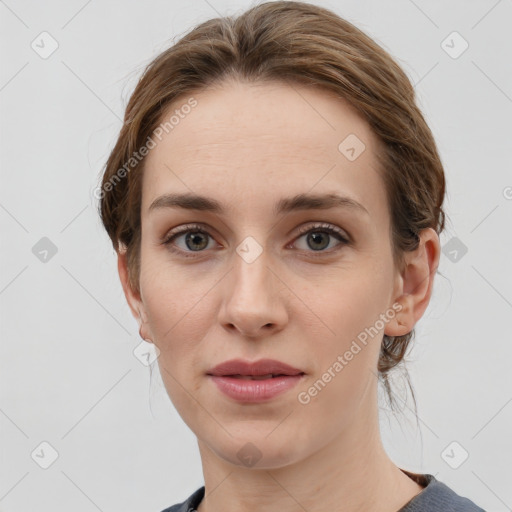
pixel 261 377
pixel 262 369
pixel 254 382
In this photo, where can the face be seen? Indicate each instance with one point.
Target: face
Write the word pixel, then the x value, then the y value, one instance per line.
pixel 267 275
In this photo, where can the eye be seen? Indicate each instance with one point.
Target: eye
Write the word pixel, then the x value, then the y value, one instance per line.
pixel 319 237
pixel 194 239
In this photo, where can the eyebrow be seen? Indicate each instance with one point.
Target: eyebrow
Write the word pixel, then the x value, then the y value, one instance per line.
pixel 191 201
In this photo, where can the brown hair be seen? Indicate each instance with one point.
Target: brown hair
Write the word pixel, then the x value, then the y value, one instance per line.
pixel 291 42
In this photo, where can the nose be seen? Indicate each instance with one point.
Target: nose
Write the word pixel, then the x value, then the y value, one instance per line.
pixel 253 302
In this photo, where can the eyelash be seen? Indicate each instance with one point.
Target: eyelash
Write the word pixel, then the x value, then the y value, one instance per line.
pixel 303 230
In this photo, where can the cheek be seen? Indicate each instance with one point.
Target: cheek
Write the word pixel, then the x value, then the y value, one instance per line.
pixel 170 303
pixel 353 310
pixel 346 360
pixel 178 320
pixel 354 303
pixel 181 311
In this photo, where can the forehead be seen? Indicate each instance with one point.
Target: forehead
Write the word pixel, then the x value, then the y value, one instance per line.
pixel 261 142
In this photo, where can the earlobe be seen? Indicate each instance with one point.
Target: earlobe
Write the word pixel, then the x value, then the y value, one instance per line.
pixel 416 283
pixel 143 335
pixel 403 322
pixel 143 324
pixel 133 298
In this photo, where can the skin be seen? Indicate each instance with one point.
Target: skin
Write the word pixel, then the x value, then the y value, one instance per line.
pixel 247 146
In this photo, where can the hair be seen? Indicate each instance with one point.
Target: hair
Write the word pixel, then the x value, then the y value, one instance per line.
pixel 295 43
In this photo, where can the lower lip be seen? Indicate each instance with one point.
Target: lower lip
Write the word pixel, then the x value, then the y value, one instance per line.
pixel 246 390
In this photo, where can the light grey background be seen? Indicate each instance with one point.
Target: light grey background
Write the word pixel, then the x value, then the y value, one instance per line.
pixel 68 373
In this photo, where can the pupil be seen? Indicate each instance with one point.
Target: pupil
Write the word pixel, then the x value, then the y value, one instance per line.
pixel 195 238
pixel 317 239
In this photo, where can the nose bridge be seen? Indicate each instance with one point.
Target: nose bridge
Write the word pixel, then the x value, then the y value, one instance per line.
pixel 250 272
pixel 251 259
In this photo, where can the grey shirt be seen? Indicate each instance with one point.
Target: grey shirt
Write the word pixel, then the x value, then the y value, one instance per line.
pixel 435 497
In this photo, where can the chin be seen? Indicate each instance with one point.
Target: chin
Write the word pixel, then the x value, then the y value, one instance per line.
pixel 258 451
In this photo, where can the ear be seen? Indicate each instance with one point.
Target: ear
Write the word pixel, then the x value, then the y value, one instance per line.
pixel 414 284
pixel 133 298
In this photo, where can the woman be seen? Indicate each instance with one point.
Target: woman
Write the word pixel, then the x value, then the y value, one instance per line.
pixel 275 200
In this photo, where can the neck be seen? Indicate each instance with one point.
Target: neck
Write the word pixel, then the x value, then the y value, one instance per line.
pixel 350 473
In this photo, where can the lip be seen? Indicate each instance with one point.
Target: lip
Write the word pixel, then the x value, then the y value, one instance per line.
pixel 255 368
pixel 252 390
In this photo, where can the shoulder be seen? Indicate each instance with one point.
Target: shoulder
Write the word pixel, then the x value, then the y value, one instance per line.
pixel 189 504
pixel 435 496
pixel 438 496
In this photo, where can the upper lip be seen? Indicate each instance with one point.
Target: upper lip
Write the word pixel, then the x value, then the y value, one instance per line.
pixel 260 367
